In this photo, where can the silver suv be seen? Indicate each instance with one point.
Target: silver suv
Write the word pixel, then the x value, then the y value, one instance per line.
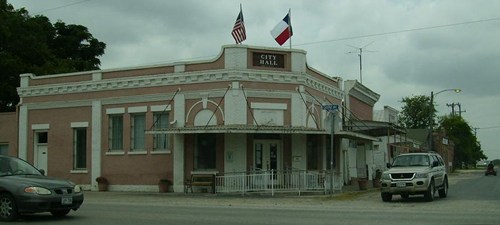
pixel 413 174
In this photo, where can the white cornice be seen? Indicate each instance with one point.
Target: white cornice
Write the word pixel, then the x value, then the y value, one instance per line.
pixel 180 79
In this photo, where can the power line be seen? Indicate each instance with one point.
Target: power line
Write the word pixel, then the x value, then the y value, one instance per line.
pixel 386 33
pixel 485 128
pixel 400 31
pixel 59 7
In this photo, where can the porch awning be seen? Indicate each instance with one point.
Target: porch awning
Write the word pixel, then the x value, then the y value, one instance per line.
pixel 355 136
pixel 238 129
pixel 375 128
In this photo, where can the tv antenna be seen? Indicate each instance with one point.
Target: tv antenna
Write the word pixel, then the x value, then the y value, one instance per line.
pixel 360 54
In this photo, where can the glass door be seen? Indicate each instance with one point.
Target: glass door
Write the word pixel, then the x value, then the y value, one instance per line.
pixel 267 155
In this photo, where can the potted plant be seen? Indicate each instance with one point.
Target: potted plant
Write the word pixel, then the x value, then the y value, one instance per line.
pixel 102 183
pixel 164 184
pixel 363 183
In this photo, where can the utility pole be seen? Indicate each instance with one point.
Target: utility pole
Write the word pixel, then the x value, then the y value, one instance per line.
pixel 360 54
pixel 452 105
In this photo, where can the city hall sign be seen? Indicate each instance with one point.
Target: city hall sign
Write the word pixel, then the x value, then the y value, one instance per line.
pixel 268 60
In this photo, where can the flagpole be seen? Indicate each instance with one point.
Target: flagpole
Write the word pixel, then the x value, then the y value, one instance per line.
pixel 241 11
pixel 290 30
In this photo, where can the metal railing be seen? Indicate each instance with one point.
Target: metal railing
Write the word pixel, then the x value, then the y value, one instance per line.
pixel 275 181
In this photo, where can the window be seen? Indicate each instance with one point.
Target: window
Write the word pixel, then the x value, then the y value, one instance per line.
pixel 137 129
pixel 4 149
pixel 160 140
pixel 80 148
pixel 115 132
pixel 205 152
pixel 42 137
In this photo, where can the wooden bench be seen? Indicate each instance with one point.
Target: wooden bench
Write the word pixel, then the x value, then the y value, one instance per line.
pixel 200 180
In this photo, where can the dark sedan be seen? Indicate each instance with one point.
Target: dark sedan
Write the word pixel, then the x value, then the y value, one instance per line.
pixel 24 189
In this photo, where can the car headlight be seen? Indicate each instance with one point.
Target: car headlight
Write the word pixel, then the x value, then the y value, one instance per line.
pixel 38 190
pixel 421 175
pixel 77 189
pixel 385 176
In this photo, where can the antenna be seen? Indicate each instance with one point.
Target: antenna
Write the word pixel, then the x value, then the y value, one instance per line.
pixel 360 53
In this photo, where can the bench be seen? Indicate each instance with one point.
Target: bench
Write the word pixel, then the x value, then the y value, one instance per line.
pixel 200 180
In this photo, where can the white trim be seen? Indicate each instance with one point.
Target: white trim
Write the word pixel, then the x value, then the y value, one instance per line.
pixel 23 132
pixel 161 152
pixel 44 126
pixel 279 106
pixel 197 77
pixel 115 111
pixel 79 124
pixel 179 68
pixel 116 152
pixel 96 142
pixel 79 171
pixel 96 76
pixel 137 152
pixel 137 109
pixel 160 108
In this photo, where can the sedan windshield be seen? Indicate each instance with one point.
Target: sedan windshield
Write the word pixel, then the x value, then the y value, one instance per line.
pixel 14 166
pixel 411 160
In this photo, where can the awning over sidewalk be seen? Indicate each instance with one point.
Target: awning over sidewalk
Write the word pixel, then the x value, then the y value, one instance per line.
pixel 375 128
pixel 355 136
pixel 260 129
pixel 238 129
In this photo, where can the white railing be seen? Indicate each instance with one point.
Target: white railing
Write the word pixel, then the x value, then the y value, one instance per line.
pixel 275 181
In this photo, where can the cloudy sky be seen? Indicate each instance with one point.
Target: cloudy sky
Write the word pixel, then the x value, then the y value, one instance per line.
pixel 410 47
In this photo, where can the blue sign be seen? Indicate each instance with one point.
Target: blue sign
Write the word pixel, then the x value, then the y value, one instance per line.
pixel 330 108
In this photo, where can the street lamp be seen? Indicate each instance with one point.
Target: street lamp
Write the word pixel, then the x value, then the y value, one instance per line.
pixel 431 117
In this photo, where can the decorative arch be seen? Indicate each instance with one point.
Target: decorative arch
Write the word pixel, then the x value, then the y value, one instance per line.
pixel 193 116
pixel 312 114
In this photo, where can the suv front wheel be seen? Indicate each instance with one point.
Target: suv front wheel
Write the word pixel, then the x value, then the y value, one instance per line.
pixel 429 194
pixel 386 197
pixel 443 192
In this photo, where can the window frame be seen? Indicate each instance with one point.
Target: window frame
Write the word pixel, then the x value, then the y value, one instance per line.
pixel 134 137
pixel 77 143
pixel 160 123
pixel 112 132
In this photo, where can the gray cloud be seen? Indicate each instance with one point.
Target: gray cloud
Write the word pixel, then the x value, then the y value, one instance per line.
pixel 400 63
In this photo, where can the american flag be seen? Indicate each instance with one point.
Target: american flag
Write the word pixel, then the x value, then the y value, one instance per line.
pixel 238 32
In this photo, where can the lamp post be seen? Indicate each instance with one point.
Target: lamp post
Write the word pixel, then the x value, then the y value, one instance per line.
pixel 431 116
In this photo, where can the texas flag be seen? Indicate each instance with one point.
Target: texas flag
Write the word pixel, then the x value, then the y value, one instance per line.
pixel 283 31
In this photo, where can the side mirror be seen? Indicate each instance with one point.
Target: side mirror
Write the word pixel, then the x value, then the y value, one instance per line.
pixel 435 163
pixel 42 171
pixel 389 165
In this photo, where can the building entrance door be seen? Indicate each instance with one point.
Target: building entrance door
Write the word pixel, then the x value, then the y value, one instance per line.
pixel 41 151
pixel 267 155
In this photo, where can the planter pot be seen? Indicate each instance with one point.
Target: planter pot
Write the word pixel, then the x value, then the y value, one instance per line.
pixel 163 187
pixel 102 186
pixel 363 184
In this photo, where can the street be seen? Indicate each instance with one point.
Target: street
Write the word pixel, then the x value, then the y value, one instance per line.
pixel 473 199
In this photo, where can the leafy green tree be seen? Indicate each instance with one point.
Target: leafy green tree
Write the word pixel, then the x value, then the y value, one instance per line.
pixel 467 147
pixel 34 45
pixel 417 112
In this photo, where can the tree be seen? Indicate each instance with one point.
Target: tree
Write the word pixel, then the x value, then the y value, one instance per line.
pixel 467 147
pixel 417 112
pixel 33 45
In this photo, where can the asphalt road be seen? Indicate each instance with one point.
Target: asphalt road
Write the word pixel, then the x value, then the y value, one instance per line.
pixel 473 199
